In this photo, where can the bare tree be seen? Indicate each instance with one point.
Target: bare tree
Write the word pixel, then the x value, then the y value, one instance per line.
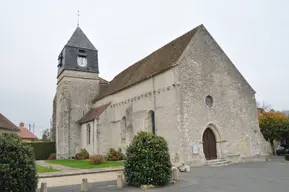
pixel 264 105
pixel 46 135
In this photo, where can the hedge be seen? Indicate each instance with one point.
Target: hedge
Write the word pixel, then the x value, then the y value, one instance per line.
pixel 17 165
pixel 42 150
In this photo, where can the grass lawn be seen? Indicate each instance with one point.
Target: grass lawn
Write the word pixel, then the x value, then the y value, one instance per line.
pixel 41 169
pixel 84 164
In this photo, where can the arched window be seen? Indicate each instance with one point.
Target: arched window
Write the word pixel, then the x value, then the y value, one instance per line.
pixel 151 122
pixel 123 133
pixel 88 134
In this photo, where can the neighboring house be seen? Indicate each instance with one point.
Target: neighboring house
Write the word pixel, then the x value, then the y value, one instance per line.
pixel 188 91
pixel 6 126
pixel 26 135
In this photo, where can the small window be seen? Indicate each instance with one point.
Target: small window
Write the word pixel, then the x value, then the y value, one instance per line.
pixel 209 101
pixel 82 53
pixel 60 57
pixel 88 134
pixel 152 122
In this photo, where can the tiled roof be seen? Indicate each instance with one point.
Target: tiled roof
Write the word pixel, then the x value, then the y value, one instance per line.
pixel 93 114
pixel 79 39
pixel 103 81
pixel 155 63
pixel 26 134
pixel 7 124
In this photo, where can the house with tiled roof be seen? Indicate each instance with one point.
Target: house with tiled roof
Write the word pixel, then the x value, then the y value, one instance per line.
pixel 6 126
pixel 26 135
pixel 187 91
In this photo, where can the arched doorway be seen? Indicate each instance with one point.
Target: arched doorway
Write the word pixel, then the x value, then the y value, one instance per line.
pixel 209 144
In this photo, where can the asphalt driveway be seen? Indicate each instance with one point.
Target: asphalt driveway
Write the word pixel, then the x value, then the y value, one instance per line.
pixel 266 177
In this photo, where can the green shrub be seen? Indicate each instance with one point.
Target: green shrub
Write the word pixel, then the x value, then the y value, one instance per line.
pixel 96 159
pixel 42 150
pixel 82 155
pixel 114 155
pixel 148 161
pixel 17 165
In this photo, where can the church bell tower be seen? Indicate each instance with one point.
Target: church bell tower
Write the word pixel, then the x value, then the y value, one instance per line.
pixel 77 86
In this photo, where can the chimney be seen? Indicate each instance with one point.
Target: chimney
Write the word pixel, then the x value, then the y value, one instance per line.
pixel 21 124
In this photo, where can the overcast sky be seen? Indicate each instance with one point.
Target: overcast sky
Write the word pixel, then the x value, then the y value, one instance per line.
pixel 254 34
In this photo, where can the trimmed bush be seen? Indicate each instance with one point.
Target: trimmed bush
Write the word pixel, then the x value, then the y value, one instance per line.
pixel 17 165
pixel 114 155
pixel 96 159
pixel 82 155
pixel 148 161
pixel 42 150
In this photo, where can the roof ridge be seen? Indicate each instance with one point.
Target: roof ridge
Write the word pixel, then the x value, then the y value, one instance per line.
pixel 5 123
pixel 154 63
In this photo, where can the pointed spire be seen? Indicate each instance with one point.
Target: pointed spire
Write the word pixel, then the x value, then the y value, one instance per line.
pixel 79 39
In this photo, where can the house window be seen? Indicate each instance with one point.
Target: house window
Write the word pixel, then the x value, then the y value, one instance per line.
pixel 88 134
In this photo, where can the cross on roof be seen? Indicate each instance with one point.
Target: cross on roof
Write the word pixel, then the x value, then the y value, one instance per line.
pixel 78 15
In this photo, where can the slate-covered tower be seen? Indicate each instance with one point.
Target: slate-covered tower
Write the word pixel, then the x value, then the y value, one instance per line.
pixel 77 85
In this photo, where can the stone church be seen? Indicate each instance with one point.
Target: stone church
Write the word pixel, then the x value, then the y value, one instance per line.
pixel 187 91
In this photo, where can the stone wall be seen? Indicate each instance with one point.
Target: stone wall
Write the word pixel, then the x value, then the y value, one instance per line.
pixel 75 91
pixel 134 104
pixel 204 69
pixel 53 130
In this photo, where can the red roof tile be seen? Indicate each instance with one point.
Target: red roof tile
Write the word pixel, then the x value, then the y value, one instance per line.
pixel 26 134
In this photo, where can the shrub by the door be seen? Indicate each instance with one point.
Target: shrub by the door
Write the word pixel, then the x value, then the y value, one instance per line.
pixel 17 165
pixel 148 161
pixel 114 155
pixel 83 154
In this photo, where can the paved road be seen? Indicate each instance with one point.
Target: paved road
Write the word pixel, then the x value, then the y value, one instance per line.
pixel 266 177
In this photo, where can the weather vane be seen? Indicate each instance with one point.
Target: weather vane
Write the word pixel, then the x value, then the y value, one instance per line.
pixel 78 15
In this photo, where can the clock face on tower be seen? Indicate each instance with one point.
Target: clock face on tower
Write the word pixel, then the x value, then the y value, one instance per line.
pixel 82 61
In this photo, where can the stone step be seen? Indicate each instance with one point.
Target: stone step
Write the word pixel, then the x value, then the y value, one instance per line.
pixel 215 161
pixel 218 162
pixel 221 164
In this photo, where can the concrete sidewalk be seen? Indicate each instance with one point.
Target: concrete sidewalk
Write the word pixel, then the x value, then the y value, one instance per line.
pixel 76 179
pixel 69 171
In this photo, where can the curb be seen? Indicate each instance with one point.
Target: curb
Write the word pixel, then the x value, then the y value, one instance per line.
pixel 58 174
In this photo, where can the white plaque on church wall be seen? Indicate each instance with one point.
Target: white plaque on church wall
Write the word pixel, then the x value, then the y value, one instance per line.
pixel 196 149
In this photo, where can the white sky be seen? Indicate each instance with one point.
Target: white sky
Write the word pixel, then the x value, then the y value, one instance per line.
pixel 254 34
